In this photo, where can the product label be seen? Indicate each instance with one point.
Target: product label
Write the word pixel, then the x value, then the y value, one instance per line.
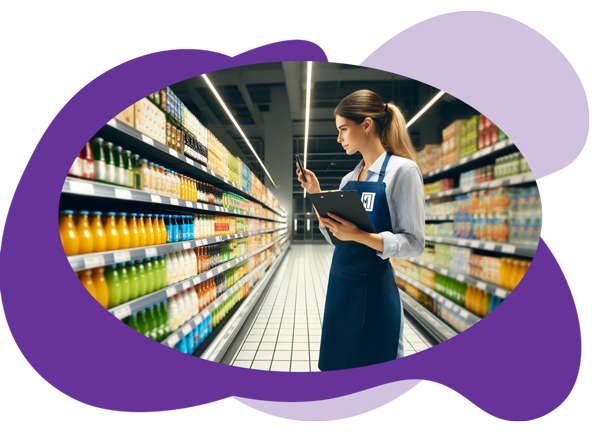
pixel 474 244
pixel 481 285
pixel 486 151
pixel 196 280
pixel 220 269
pixel 123 194
pixel 186 245
pixel 124 256
pixel 151 252
pixel 508 249
pixel 185 285
pixel 462 242
pixel 173 340
pixel 460 278
pixel 444 271
pixel 464 314
pixel 147 140
pixel 81 187
pixel 189 204
pixel 171 291
pixel 489 246
pixel 155 198
pixel 516 179
pixel 112 122
pixel 173 152
pixel 500 293
pixel 209 274
pixel 123 312
pixel 174 201
pixel 93 262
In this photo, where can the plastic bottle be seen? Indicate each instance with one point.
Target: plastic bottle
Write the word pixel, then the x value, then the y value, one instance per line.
pixel 87 159
pixel 188 264
pixel 169 262
pixel 173 314
pixel 152 177
pixel 149 230
pixel 134 281
pixel 169 227
pixel 157 231
pixel 136 170
pixel 102 293
pixel 142 279
pixel 111 171
pixel 161 332
pixel 177 186
pixel 145 327
pixel 188 305
pixel 181 309
pixel 128 169
pixel 163 230
pixel 112 232
pixel 86 240
pixel 68 233
pixel 176 228
pixel 162 261
pixel 123 228
pixel 152 323
pixel 143 236
pixel 194 301
pixel 98 234
pixel 119 168
pixel 99 160
pixel 163 180
pixel 150 276
pixel 134 234
pixel 196 227
pixel 85 277
pixel 145 176
pixel 113 281
pixel 164 317
pixel 181 268
pixel 125 286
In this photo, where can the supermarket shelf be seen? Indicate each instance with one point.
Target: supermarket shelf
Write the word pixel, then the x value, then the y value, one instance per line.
pixel 139 304
pixel 518 179
pixel 440 218
pixel 101 190
pixel 138 142
pixel 499 247
pixel 218 347
pixel 184 330
pixel 95 260
pixel 463 312
pixel 482 285
pixel 435 326
pixel 488 151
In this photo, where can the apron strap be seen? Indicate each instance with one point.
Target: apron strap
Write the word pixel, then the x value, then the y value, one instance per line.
pixel 383 168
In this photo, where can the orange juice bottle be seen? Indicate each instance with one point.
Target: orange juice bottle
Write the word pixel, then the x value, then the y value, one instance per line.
pixel 476 301
pixel 86 240
pixel 112 232
pixel 124 236
pixel 68 233
pixel 502 273
pixel 149 231
pixel 101 287
pixel 157 231
pixel 134 233
pixel 163 230
pixel 485 303
pixel 512 274
pixel 98 233
pixel 86 279
pixel 142 230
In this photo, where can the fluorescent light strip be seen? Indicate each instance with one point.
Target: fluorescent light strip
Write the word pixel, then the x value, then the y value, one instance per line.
pixel 308 80
pixel 237 126
pixel 425 108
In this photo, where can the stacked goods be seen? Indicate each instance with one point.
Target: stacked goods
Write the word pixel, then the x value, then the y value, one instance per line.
pixel 441 230
pixel 440 207
pixel 510 165
pixel 426 276
pixel 469 139
pixel 150 120
pixel 430 158
pixel 428 254
pixel 460 260
pixel 442 255
pixel 485 268
pixel 422 297
pixel 439 186
pixel 479 175
pixel 451 142
pixel 488 132
pixel 511 272
pixel 525 216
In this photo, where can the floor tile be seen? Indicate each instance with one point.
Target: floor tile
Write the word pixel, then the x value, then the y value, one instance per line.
pixel 283 346
pixel 285 338
pixel 269 339
pixel 300 366
pixel 314 355
pixel 282 355
pixel 314 366
pixel 245 355
pixel 413 338
pixel 314 346
pixel 289 331
pixel 302 355
pixel 254 338
pixel 419 346
pixel 243 364
pixel 250 346
pixel 280 366
pixel 261 365
pixel 266 346
pixel 300 338
pixel 264 355
pixel 300 346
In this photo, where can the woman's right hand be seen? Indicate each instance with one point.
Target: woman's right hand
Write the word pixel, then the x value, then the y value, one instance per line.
pixel 312 183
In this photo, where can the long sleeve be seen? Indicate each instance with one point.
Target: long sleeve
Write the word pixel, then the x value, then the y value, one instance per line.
pixel 407 213
pixel 324 231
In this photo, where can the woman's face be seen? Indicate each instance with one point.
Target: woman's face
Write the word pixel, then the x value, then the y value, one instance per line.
pixel 351 136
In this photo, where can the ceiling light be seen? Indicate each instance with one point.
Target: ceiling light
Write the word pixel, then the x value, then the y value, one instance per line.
pixel 308 79
pixel 425 108
pixel 237 126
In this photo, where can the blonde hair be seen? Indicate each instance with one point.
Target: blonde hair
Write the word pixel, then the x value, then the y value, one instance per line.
pixel 389 122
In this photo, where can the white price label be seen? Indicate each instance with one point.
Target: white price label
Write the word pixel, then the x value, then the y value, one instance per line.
pixel 93 262
pixel 438 239
pixel 174 201
pixel 209 274
pixel 430 266
pixel 427 197
pixel 467 188
pixel 220 269
pixel 500 293
pixel 502 144
pixel 155 198
pixel 444 271
pixel 510 249
pixel 189 161
pixel 185 285
pixel 448 304
pixel 486 151
pixel 173 152
pixel 151 252
pixel 197 280
pixel 489 246
pixel 460 278
pixel 81 187
pixel 186 245
pixel 218 239
pixel 516 179
pixel 462 242
pixel 446 167
pixel 124 256
pixel 171 291
pixel 481 285
pixel 112 122
pixel 203 168
pixel 204 242
pixel 147 140
pixel 211 172
pixel 173 340
pixel 474 244
pixel 123 312
pixel 464 314
pixel 496 182
pixel 463 160
pixel 189 204
pixel 228 236
pixel 123 194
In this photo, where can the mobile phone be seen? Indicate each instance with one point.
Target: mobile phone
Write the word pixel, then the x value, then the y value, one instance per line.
pixel 301 168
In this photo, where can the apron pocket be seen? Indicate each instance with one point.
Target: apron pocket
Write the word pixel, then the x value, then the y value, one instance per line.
pixel 347 295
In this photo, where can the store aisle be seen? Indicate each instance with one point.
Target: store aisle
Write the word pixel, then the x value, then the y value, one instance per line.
pixel 286 333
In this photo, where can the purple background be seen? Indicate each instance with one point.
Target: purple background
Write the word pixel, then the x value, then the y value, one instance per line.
pixel 507 365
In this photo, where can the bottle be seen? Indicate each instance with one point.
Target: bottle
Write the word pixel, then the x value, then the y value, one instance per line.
pixel 164 318
pixel 163 180
pixel 169 262
pixel 142 280
pixel 85 277
pixel 128 169
pixel 143 323
pixel 169 226
pixel 152 177
pixel 87 159
pixel 177 186
pixel 86 240
pixel 172 183
pixel 149 230
pixel 150 276
pixel 163 230
pixel 181 269
pixel 173 313
pixel 145 176
pixel 112 232
pixel 134 234
pixel 68 233
pixel 163 271
pixel 143 236
pixel 157 231
pixel 160 328
pixel 125 286
pixel 99 160
pixel 188 305
pixel 194 301
pixel 111 171
pixel 136 170
pixel 176 229
pixel 119 169
pixel 152 323
pixel 124 236
pixel 102 293
pixel 98 234
pixel 113 281
pixel 134 281
pixel 181 309
pixel 188 264
pixel 196 227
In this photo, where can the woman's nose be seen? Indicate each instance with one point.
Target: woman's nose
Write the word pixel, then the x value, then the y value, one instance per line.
pixel 339 139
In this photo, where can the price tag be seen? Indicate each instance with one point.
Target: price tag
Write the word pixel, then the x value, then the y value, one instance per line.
pixel 444 272
pixel 209 274
pixel 171 291
pixel 203 168
pixel 123 312
pixel 189 204
pixel 174 201
pixel 211 172
pixel 438 239
pixel 147 140
pixel 123 193
pixel 474 244
pixel 93 262
pixel 481 285
pixel 190 161
pixel 510 249
pixel 112 122
pixel 446 167
pixel 228 236
pixel 500 293
pixel 220 269
pixel 155 198
pixel 460 278
pixel 430 266
pixel 448 304
pixel 173 152
pixel 173 340
pixel 151 252
pixel 489 246
pixel 186 245
pixel 486 151
pixel 428 196
pixel 185 285
pixel 196 280
pixel 218 239
pixel 81 187
pixel 124 256
pixel 467 188
pixel 464 314
pixel 198 320
pixel 502 144
pixel 204 241
pixel 462 242
pixel 496 182
pixel 516 179
pixel 463 160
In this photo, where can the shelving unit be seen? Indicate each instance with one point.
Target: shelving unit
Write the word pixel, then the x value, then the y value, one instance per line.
pixel 470 318
pixel 440 218
pixel 519 179
pixel 482 285
pixel 139 304
pixel 498 247
pixel 172 339
pixel 432 323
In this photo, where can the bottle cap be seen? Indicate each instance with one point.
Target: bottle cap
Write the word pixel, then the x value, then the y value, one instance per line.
pixel 67 212
pixel 133 214
pixel 97 213
pixel 122 213
pixel 111 213
pixel 83 212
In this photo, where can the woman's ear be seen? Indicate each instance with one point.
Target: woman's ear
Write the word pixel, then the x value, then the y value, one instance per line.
pixel 368 124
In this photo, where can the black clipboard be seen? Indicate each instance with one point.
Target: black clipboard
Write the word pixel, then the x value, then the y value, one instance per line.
pixel 346 204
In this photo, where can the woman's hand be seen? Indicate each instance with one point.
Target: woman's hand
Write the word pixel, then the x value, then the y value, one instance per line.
pixel 340 228
pixel 312 183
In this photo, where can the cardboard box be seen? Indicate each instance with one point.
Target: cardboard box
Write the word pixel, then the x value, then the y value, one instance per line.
pixel 452 129
pixel 127 116
pixel 149 120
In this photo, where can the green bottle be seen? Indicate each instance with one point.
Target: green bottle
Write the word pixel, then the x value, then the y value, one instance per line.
pixel 143 324
pixel 111 172
pixel 132 322
pixel 128 168
pixel 163 271
pixel 150 278
pixel 142 280
pixel 114 286
pixel 160 328
pixel 151 321
pixel 164 317
pixel 134 283
pixel 125 287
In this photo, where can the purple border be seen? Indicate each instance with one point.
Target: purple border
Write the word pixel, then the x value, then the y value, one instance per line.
pixel 65 358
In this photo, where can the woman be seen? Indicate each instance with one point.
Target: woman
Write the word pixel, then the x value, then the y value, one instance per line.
pixel 363 320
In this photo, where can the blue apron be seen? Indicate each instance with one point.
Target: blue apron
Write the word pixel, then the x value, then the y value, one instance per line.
pixel 362 322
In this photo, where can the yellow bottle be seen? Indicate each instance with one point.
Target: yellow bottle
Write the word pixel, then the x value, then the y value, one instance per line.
pixel 86 240
pixel 101 287
pixel 112 233
pixel 142 230
pixel 157 231
pixel 86 279
pixel 134 233
pixel 124 236
pixel 68 233
pixel 149 231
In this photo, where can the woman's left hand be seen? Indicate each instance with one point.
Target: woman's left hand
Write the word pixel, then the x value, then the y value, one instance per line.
pixel 340 228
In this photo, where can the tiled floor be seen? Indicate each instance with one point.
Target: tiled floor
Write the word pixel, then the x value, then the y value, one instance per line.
pixel 286 333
